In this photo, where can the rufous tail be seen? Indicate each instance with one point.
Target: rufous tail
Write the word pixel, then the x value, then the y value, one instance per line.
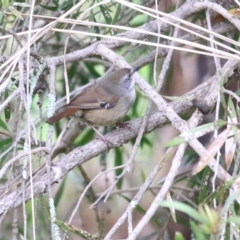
pixel 58 116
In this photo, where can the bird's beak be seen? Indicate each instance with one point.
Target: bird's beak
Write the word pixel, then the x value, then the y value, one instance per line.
pixel 134 69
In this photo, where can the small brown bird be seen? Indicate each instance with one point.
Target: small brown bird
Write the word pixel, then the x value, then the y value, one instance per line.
pixel 102 102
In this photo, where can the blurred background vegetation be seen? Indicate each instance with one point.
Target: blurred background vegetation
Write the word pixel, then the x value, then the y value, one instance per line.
pixel 202 212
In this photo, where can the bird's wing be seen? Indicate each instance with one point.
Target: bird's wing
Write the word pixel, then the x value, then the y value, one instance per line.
pixel 94 97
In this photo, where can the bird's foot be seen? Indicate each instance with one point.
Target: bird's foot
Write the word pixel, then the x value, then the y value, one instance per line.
pixel 123 125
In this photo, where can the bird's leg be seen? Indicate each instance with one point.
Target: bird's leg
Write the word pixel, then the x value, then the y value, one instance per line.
pixel 109 144
pixel 122 125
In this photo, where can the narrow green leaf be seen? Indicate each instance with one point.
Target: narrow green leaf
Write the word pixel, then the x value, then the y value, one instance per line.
pixel 15 12
pixel 118 11
pixel 86 136
pixel 179 236
pixel 3 125
pixel 145 141
pixel 235 219
pixel 5 141
pixel 219 193
pixel 175 98
pixel 143 175
pixel 105 12
pixel 19 4
pixel 205 185
pixel 222 81
pixel 231 109
pixel 184 208
pixel 4 144
pixel 7 111
pixel 230 201
pixel 5 3
pixel 196 133
pixel 53 8
pixel 66 5
pixel 80 232
pixel 118 162
pixel 59 193
pixel 198 234
pixel 96 28
pixel 1 17
pixel 175 142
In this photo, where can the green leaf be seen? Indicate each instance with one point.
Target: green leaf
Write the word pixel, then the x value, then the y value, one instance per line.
pixel 5 3
pixel 223 100
pixel 59 193
pixel 86 136
pixel 105 11
pixel 70 228
pixel 118 162
pixel 205 184
pixel 198 234
pixel 19 4
pixel 222 81
pixel 184 208
pixel 175 98
pixel 219 193
pixel 179 236
pixel 3 125
pixel 1 17
pixel 206 128
pixel 5 141
pixel 145 141
pixel 53 8
pixel 66 5
pixel 143 175
pixel 175 142
pixel 228 231
pixel 96 29
pixel 230 201
pixel 231 109
pixel 4 144
pixel 15 12
pixel 7 111
pixel 195 133
pixel 118 11
pixel 235 219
